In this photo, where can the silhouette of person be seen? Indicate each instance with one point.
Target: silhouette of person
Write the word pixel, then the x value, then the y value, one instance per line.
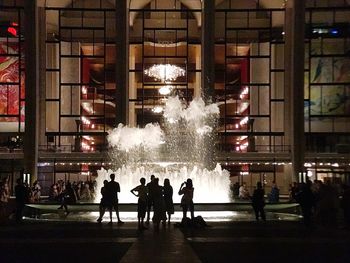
pixel 258 202
pixel 150 187
pixel 345 203
pixel 158 204
pixel 187 198
pixel 22 196
pixel 68 198
pixel 105 202
pixel 141 203
pixel 113 188
pixel 168 198
pixel 306 199
pixel 274 195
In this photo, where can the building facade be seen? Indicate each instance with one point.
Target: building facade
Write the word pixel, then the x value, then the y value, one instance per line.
pixel 279 71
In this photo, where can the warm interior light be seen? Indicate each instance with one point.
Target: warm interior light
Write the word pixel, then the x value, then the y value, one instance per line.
pixel 157 109
pixel 165 90
pixel 164 72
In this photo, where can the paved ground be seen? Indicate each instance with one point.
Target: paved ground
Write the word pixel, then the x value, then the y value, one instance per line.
pixel 274 241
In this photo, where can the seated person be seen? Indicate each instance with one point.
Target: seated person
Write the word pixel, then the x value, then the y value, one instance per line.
pixel 243 192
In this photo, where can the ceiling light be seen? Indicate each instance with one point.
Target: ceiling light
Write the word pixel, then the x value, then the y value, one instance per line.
pixel 165 72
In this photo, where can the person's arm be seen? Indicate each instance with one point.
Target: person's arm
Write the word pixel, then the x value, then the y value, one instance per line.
pixel 181 191
pixel 118 187
pixel 133 191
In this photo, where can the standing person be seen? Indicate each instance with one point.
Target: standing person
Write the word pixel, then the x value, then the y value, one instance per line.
pixel 4 196
pixel 258 202
pixel 113 188
pixel 274 195
pixel 104 203
pixel 345 203
pixel 36 191
pixel 142 202
pixel 158 204
pixel 168 198
pixel 150 188
pixel 86 194
pixel 293 191
pixel 306 199
pixel 187 198
pixel 21 193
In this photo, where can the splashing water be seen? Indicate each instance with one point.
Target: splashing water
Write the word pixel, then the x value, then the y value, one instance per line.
pixel 181 147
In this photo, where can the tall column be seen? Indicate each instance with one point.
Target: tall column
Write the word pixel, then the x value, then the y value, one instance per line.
pixel 42 75
pixel 122 62
pixel 31 31
pixel 208 49
pixel 294 82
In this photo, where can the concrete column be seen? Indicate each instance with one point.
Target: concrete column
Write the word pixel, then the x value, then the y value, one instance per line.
pixel 122 61
pixel 208 49
pixel 42 75
pixel 294 82
pixel 31 29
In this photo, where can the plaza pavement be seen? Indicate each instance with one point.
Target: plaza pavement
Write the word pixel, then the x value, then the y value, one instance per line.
pixel 249 241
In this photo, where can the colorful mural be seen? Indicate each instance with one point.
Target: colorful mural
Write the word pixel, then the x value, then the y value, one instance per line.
pixel 333 97
pixel 11 93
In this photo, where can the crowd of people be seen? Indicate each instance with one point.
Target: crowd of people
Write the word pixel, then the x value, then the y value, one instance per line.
pixel 150 196
pixel 84 191
pixel 25 193
pixel 319 201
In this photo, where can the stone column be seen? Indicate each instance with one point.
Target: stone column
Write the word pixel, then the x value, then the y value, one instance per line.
pixel 122 62
pixel 294 82
pixel 31 135
pixel 208 49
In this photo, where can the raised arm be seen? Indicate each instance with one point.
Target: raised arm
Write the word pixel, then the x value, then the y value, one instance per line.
pixel 181 189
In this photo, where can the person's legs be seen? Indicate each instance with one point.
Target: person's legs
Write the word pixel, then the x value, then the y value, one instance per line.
pixel 65 207
pixel 192 210
pixel 110 214
pixel 256 212
pixel 169 217
pixel 262 213
pixel 102 212
pixel 149 206
pixel 184 211
pixel 116 208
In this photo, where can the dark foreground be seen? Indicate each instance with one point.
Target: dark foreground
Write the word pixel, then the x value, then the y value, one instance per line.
pixel 273 241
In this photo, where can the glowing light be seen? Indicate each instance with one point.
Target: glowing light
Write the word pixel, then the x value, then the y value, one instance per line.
pixel 85 120
pixel 165 90
pixel 244 92
pixel 165 72
pixel 157 109
pixel 244 121
pixel 84 90
pixel 12 31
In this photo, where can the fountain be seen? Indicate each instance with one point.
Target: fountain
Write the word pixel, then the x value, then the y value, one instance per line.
pixel 182 147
